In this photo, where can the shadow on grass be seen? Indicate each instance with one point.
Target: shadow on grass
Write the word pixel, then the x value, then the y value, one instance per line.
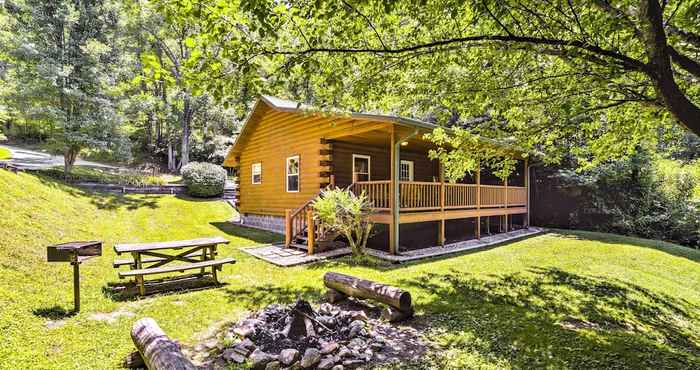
pixel 548 317
pixel 102 200
pixel 54 312
pixel 255 297
pixel 128 290
pixel 256 235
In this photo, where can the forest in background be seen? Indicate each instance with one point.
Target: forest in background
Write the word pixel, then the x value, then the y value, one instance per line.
pixel 109 80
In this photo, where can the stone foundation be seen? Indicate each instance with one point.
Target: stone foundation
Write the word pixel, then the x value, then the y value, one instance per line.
pixel 264 222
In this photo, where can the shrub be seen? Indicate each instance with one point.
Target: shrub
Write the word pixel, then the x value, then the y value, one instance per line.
pixel 204 179
pixel 349 214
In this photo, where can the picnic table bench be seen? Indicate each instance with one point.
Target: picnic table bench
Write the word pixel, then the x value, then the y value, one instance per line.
pixel 154 258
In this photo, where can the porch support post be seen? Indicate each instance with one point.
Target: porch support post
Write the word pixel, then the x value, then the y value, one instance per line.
pixel 527 194
pixel 505 216
pixel 478 203
pixel 395 187
pixel 393 194
pixel 441 232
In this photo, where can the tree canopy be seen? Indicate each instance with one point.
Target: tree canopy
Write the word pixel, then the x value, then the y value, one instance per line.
pixel 61 56
pixel 593 79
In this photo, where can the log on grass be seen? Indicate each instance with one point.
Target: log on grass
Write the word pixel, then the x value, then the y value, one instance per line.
pixel 361 288
pixel 157 350
pixel 133 360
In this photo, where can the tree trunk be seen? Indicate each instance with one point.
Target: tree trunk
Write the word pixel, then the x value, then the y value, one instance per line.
pixel 69 157
pixel 186 131
pixel 661 71
pixel 157 350
pixel 366 289
pixel 171 157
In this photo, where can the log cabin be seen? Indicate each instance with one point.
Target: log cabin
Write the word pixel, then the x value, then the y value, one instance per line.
pixel 286 153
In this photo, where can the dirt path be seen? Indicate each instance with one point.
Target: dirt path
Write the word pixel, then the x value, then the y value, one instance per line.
pixel 29 159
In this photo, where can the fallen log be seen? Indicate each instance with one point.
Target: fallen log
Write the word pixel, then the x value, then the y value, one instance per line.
pixel 157 350
pixel 133 360
pixel 361 288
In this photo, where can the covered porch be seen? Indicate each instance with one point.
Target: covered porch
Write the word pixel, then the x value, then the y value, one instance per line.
pixel 392 167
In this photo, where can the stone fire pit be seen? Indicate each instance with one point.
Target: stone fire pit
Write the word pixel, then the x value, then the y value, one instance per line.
pixel 298 337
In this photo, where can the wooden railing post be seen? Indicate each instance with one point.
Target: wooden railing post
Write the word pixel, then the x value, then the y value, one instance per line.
pixel 311 231
pixel 287 227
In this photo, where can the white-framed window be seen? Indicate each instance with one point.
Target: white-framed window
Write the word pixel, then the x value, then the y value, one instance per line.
pixel 256 173
pixel 406 171
pixel 361 167
pixel 292 172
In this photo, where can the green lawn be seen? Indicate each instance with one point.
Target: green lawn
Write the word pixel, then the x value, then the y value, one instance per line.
pixel 559 300
pixel 5 153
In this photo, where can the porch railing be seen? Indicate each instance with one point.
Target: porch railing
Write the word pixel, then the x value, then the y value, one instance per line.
pixel 460 196
pixel 377 192
pixel 425 196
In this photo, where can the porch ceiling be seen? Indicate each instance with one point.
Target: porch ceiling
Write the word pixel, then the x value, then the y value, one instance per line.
pixel 380 138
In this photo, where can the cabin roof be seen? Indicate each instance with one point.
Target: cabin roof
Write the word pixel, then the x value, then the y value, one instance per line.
pixel 284 105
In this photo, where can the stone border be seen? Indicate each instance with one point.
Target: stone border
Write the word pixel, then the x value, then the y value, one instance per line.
pixel 454 248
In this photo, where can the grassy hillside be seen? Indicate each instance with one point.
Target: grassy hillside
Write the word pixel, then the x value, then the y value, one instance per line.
pixel 5 153
pixel 559 300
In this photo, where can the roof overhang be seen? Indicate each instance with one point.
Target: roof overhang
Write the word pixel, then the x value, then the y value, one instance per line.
pixel 282 105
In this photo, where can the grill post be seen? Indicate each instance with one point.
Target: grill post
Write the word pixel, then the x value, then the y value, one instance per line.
pixel 76 283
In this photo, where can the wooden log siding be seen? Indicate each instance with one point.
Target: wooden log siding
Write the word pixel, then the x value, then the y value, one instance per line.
pixel 271 138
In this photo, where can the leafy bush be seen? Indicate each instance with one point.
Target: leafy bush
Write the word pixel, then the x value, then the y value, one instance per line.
pixel 349 214
pixel 204 179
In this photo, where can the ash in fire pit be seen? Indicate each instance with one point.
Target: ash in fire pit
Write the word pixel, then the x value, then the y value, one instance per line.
pixel 297 336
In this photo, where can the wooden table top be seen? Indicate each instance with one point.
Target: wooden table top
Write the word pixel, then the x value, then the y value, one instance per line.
pixel 175 244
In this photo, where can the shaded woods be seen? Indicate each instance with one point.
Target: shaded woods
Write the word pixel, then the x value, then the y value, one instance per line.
pixel 644 196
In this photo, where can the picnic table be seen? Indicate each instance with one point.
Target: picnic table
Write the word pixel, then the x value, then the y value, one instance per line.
pixel 156 258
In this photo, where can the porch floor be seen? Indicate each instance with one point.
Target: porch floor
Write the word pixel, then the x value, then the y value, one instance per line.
pixel 486 241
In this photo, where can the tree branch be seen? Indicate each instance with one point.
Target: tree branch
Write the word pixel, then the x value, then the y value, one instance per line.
pixel 627 61
pixel 684 62
pixel 689 37
pixel 368 22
